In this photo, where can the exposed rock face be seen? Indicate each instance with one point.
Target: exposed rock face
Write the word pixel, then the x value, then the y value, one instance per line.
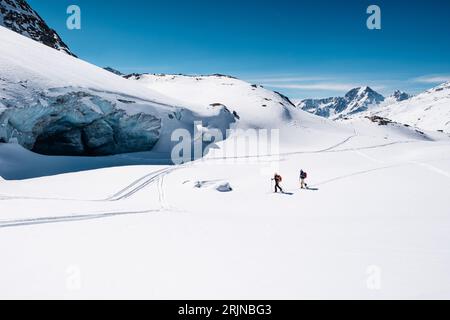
pixel 324 107
pixel 355 101
pixel 399 96
pixel 112 70
pixel 18 16
pixel 77 123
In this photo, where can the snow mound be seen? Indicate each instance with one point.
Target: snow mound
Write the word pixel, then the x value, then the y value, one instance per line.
pixel 224 187
pixel 217 185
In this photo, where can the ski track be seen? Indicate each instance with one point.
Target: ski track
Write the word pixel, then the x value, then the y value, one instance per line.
pixel 424 165
pixel 141 183
pixel 431 168
pixel 70 218
pixel 158 178
pixel 357 174
pixel 125 193
pixel 150 178
pixel 146 181
pixel 328 149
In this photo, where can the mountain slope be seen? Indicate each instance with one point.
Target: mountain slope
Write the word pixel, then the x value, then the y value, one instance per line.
pixel 252 105
pixel 429 110
pixel 18 16
pixel 55 104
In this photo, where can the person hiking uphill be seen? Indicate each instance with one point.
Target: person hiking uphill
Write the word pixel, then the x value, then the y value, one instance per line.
pixel 277 178
pixel 303 177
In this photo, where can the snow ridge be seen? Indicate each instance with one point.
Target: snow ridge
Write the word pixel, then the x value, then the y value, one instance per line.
pixel 429 110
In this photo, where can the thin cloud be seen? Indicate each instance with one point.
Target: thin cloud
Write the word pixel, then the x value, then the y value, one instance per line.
pixel 432 79
pixel 287 79
pixel 315 86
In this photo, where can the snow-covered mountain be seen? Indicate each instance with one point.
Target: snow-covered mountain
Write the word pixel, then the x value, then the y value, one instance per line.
pixel 18 16
pixel 252 105
pixel 399 96
pixel 429 110
pixel 377 190
pixel 162 219
pixel 56 104
pixel 355 101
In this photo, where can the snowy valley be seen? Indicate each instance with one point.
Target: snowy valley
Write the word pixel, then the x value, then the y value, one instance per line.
pixel 87 183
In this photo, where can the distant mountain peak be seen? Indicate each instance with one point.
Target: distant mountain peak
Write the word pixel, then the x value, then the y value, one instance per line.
pixel 355 101
pixel 18 16
pixel 399 96
pixel 361 92
pixel 364 89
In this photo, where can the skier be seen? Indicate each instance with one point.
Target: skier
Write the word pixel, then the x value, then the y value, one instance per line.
pixel 278 180
pixel 303 176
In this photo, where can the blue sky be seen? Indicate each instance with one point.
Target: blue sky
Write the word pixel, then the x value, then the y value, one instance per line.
pixel 302 48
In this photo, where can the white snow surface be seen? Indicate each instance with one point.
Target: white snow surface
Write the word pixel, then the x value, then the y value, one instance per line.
pixel 378 200
pixel 148 232
pixel 30 70
pixel 428 111
pixel 255 106
pixel 23 59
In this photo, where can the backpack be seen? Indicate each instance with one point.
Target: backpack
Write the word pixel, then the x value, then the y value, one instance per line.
pixel 303 175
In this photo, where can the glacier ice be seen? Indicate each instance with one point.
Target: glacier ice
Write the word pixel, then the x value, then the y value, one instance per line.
pixel 75 122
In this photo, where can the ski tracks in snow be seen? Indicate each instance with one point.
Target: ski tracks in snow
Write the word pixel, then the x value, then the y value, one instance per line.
pixel 123 194
pixel 142 183
pixel 70 218
pixel 156 177
pixel 431 168
pixel 359 151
